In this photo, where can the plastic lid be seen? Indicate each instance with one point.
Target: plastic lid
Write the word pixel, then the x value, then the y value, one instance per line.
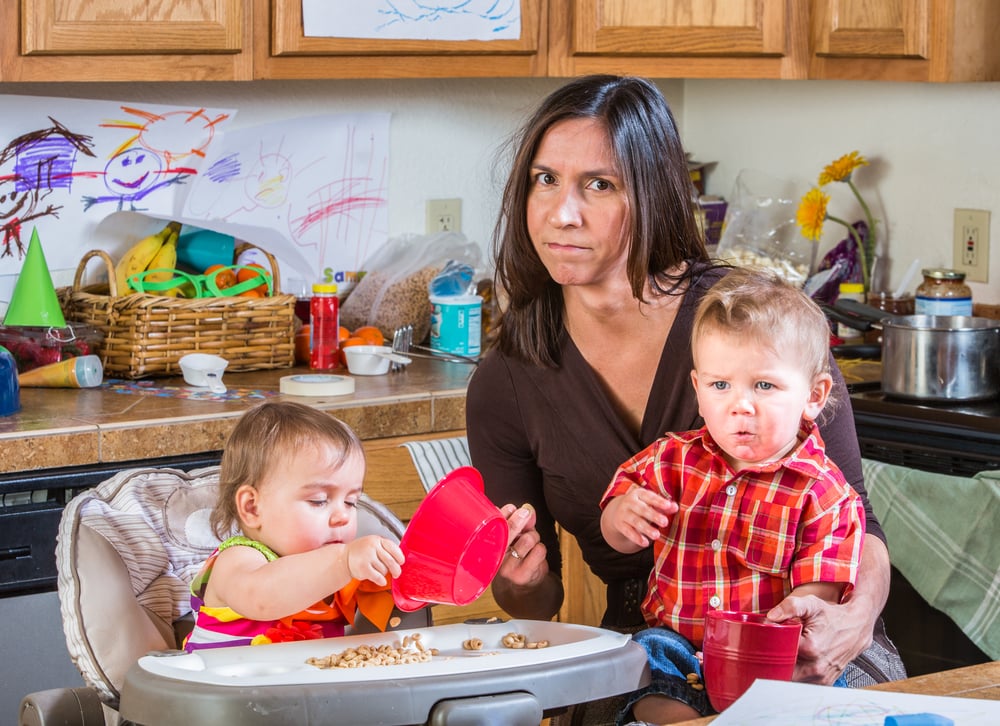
pixel 852 287
pixel 325 288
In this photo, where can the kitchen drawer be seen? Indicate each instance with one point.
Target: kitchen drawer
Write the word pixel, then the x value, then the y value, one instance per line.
pixel 27 547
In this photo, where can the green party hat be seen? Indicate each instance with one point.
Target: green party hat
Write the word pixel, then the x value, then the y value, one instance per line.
pixel 34 301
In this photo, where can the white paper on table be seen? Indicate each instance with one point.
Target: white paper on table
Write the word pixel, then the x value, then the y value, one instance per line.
pixel 413 19
pixel 779 703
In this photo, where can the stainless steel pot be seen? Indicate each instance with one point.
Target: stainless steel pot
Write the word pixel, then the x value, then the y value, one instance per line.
pixel 933 357
pixel 941 358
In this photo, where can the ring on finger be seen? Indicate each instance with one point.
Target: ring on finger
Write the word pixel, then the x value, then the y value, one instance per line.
pixel 513 553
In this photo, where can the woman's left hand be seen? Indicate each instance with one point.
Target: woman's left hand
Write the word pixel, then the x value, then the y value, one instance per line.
pixel 832 636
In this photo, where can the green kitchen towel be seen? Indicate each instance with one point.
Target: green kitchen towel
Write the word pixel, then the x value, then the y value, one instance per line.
pixel 943 532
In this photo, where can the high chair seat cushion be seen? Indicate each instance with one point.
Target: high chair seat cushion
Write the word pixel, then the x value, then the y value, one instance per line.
pixel 126 553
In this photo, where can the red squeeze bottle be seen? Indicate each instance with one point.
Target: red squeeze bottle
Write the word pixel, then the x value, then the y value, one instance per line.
pixel 324 325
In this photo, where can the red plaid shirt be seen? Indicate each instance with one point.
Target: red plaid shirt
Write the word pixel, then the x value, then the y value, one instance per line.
pixel 742 540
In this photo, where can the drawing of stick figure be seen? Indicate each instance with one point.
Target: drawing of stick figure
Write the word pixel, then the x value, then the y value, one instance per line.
pixel 132 175
pixel 44 160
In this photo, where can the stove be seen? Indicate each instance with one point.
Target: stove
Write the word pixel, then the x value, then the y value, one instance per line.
pixel 952 437
pixel 956 438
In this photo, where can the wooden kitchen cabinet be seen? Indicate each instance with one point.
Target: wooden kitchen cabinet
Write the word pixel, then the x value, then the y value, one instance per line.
pixel 125 40
pixel 678 38
pixel 905 40
pixel 281 50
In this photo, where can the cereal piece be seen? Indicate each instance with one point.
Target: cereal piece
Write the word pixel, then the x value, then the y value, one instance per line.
pixel 472 644
pixel 394 622
pixel 513 640
pixel 698 686
pixel 539 644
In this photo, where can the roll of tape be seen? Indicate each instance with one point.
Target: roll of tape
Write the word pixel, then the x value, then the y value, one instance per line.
pixel 317 384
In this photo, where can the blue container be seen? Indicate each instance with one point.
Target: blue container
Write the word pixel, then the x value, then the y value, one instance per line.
pixel 10 389
pixel 456 324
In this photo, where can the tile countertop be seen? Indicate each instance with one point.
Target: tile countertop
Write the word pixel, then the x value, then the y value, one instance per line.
pixel 59 427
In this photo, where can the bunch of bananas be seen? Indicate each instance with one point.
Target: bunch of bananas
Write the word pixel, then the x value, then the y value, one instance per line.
pixel 156 252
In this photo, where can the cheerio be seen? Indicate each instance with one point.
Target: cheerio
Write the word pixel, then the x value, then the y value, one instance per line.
pixel 456 324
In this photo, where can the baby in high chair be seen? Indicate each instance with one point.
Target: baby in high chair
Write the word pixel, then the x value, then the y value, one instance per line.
pixel 289 481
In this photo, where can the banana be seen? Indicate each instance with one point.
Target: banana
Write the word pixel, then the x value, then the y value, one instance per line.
pixel 139 256
pixel 165 260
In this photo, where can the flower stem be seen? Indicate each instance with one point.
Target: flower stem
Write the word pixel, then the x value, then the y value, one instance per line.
pixel 861 250
pixel 869 251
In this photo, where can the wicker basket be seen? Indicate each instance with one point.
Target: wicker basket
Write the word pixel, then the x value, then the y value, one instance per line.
pixel 146 335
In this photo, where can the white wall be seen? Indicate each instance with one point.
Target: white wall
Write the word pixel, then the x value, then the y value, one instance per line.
pixel 932 147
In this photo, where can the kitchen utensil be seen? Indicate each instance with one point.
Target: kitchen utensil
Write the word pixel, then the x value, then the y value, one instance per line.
pixel 741 647
pixel 404 345
pixel 204 370
pixel 454 544
pixel 372 360
pixel 933 357
pixel 908 277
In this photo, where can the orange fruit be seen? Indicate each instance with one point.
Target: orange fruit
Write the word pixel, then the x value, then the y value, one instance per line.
pixel 302 345
pixel 370 334
pixel 223 276
pixel 343 334
pixel 250 273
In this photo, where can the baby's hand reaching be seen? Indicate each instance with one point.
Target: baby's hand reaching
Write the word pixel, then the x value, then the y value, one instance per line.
pixel 633 520
pixel 373 557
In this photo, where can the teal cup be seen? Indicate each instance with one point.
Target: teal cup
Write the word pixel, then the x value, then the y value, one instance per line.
pixel 200 249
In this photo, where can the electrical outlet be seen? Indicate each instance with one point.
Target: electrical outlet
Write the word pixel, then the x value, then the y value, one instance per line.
pixel 972 244
pixel 444 215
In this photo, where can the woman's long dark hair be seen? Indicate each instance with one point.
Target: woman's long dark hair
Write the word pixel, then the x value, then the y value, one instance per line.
pixel 662 228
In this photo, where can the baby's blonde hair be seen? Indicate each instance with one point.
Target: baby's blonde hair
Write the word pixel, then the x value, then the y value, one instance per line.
pixel 759 306
pixel 265 436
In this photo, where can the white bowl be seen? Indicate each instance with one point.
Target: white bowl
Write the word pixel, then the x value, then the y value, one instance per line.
pixel 203 369
pixel 365 360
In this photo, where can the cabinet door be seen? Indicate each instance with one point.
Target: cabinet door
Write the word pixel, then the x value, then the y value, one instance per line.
pixel 905 40
pixel 678 38
pixel 863 29
pixel 114 40
pixel 282 50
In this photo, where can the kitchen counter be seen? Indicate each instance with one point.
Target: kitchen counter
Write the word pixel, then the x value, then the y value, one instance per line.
pixel 59 427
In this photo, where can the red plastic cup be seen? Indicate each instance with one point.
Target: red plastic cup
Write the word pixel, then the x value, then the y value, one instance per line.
pixel 741 647
pixel 454 544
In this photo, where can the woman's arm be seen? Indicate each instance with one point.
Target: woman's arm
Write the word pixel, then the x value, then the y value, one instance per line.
pixel 834 635
pixel 530 585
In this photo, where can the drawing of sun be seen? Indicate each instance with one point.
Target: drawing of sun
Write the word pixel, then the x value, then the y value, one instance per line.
pixel 174 136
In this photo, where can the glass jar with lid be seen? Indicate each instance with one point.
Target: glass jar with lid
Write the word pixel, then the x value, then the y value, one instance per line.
pixel 943 292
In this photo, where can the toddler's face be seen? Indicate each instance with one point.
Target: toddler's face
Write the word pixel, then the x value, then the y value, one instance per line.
pixel 306 501
pixel 752 399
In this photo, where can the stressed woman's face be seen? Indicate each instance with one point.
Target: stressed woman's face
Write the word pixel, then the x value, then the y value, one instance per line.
pixel 577 207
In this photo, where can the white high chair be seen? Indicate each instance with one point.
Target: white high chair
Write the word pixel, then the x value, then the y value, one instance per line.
pixel 126 553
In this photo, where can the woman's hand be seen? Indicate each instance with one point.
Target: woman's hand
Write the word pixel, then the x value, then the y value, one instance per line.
pixel 524 587
pixel 373 557
pixel 834 635
pixel 632 521
pixel 525 564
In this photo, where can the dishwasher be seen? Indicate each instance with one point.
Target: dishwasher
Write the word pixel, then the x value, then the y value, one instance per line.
pixel 31 505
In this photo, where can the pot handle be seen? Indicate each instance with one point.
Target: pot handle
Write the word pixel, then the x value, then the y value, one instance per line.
pixel 837 315
pixel 866 312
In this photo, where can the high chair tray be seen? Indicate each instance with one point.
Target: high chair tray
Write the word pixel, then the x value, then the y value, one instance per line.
pixel 273 684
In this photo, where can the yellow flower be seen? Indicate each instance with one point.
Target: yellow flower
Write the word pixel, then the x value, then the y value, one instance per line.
pixel 842 168
pixel 812 213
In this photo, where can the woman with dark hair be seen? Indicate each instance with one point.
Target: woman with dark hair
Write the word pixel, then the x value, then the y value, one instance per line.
pixel 602 265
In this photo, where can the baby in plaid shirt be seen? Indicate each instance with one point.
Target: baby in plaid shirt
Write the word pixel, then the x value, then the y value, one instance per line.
pixel 748 509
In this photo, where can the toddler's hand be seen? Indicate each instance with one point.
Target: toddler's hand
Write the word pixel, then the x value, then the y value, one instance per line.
pixel 373 557
pixel 639 515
